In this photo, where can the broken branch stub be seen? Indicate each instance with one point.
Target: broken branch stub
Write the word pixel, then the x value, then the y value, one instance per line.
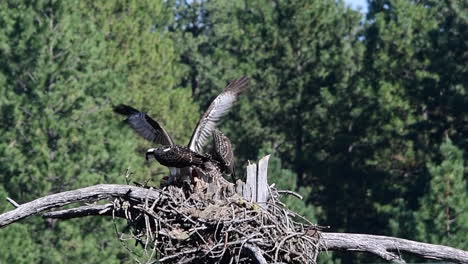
pixel 256 187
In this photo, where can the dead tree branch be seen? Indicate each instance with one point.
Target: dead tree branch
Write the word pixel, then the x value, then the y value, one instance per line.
pixel 88 210
pixel 387 248
pixel 92 193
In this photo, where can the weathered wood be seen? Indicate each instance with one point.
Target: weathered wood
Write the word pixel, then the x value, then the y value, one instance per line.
pixel 250 188
pixel 262 181
pixel 87 210
pixel 240 186
pixel 387 248
pixel 256 253
pixel 256 185
pixel 92 193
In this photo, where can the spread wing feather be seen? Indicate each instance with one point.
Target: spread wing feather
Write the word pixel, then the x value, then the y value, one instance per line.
pixel 144 125
pixel 217 109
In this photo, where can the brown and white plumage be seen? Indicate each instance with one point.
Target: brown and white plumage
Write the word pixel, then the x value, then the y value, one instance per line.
pixel 175 156
pixel 152 131
pixel 169 154
pixel 180 161
pixel 217 109
pixel 223 152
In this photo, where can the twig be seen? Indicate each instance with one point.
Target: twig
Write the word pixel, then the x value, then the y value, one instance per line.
pixel 243 243
pixel 276 217
pixel 290 193
pixel 97 209
pixel 178 254
pixel 282 242
pixel 15 204
pixel 256 253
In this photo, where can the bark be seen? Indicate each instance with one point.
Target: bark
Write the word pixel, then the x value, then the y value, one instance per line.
pixel 88 194
pixel 388 248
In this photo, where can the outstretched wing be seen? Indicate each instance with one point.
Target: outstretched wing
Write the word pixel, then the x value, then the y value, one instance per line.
pixel 144 125
pixel 217 109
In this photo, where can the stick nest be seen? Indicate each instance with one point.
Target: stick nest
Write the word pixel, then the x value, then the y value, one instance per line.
pixel 193 227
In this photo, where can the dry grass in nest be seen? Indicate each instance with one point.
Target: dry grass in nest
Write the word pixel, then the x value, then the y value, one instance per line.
pixel 184 227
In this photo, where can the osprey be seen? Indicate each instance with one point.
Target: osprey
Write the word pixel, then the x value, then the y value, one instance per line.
pixel 222 152
pixel 175 156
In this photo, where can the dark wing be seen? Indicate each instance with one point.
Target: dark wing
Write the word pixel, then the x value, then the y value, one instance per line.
pixel 217 109
pixel 144 125
pixel 190 157
pixel 179 157
pixel 223 151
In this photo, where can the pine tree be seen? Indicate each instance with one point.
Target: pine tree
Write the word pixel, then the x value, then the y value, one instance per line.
pixel 411 48
pixel 343 104
pixel 64 64
pixel 52 84
pixel 142 55
pixel 443 216
pixel 300 54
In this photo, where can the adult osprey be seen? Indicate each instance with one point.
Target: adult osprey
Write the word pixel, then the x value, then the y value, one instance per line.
pixel 172 155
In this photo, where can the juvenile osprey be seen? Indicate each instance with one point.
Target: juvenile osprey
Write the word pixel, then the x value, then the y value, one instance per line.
pixel 222 152
pixel 175 156
pixel 217 109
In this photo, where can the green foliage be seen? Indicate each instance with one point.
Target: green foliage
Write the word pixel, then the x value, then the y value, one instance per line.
pixel 47 78
pixel 443 216
pixel 52 87
pixel 17 243
pixel 410 54
pixel 285 179
pixel 141 54
pixel 354 110
pixel 307 101
pixel 63 66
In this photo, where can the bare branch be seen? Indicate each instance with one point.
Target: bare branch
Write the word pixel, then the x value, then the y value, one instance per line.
pixel 256 253
pixel 388 247
pixel 385 247
pixel 295 194
pixel 88 210
pixel 92 193
pixel 15 204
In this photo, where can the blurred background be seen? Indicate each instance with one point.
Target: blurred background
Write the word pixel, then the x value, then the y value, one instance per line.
pixel 364 110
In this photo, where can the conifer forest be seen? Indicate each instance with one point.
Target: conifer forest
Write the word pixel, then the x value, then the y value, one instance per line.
pixel 365 114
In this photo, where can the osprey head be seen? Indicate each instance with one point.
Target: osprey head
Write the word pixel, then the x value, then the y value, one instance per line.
pixel 156 151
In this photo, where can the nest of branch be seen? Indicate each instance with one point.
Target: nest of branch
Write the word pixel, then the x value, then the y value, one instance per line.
pixel 190 226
